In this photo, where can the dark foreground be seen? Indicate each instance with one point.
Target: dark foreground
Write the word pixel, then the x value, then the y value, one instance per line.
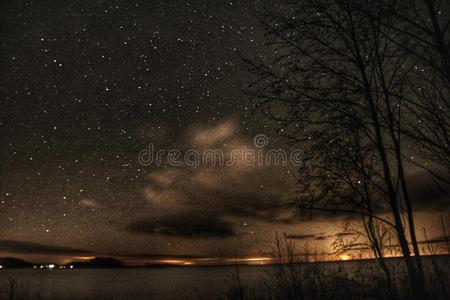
pixel 339 280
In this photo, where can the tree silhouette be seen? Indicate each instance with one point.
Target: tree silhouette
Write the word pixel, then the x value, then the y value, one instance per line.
pixel 342 175
pixel 424 30
pixel 338 78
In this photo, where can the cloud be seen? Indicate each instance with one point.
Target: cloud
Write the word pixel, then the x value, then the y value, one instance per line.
pixel 436 240
pixel 164 178
pixel 426 195
pixel 204 136
pixel 236 192
pixel 302 236
pixel 232 191
pixel 35 248
pixel 341 234
pixel 89 203
pixel 315 237
pixel 318 236
pixel 161 256
pixel 184 225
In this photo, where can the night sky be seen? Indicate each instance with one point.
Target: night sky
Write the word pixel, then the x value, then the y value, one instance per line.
pixel 86 85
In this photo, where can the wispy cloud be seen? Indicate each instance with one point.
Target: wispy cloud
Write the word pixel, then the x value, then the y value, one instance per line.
pixel 230 191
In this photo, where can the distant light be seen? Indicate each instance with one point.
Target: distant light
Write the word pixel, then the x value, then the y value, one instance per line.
pixel 344 257
pixel 1 267
pixel 70 267
pixel 51 266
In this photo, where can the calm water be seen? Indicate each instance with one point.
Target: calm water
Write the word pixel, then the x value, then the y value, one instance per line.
pixel 170 283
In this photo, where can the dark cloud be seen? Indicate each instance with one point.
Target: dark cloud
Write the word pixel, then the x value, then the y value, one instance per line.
pixel 185 225
pixel 436 240
pixel 341 234
pixel 160 256
pixel 35 248
pixel 316 237
pixel 427 194
pixel 320 216
pixel 263 207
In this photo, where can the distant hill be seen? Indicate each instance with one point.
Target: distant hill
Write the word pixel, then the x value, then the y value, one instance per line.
pixel 99 262
pixel 10 262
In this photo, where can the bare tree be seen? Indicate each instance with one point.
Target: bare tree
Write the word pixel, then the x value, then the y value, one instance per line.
pixel 422 30
pixel 338 71
pixel 342 175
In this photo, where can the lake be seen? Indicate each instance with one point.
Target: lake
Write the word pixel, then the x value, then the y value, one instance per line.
pixel 134 283
pixel 172 283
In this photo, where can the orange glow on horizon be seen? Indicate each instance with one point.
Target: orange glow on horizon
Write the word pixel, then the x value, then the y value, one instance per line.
pixel 215 261
pixel 84 257
pixel 345 257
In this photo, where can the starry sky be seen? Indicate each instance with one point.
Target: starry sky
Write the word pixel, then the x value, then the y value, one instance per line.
pixel 86 85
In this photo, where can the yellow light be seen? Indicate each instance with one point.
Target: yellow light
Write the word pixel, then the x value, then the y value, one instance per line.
pixel 344 257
